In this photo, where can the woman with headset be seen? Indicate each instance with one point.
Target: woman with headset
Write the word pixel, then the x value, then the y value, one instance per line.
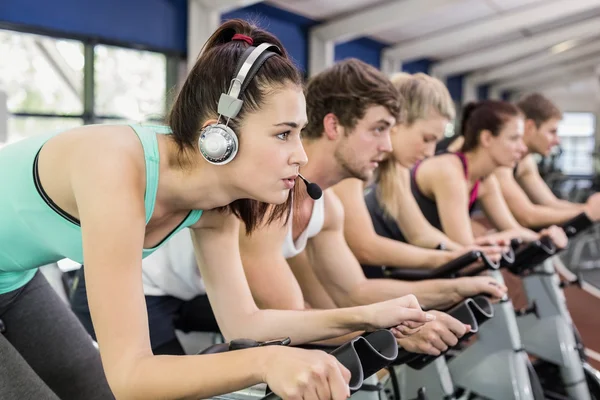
pixel 93 194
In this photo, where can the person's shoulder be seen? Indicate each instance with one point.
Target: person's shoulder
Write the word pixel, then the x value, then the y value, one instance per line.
pixel 348 185
pixel 526 166
pixel 333 209
pixel 443 166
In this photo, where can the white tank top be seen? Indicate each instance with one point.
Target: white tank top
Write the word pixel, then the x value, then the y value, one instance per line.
pixel 315 224
pixel 172 269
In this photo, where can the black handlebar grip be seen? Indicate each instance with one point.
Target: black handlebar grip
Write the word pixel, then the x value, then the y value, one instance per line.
pixel 450 268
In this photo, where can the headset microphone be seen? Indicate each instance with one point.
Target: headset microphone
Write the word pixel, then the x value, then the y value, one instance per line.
pixel 313 190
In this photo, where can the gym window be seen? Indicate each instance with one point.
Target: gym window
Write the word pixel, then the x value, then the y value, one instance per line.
pixel 576 132
pixel 42 78
pixel 49 84
pixel 137 91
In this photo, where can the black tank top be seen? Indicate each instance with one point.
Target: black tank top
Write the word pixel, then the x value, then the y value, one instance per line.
pixel 442 145
pixel 429 207
pixel 387 227
pixel 384 224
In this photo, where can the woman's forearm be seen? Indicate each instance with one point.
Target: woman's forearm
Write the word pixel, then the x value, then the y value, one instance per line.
pixel 431 293
pixel 302 326
pixel 190 377
pixel 393 253
pixel 432 238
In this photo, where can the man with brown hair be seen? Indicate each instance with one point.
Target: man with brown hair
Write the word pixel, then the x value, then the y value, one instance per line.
pixel 529 198
pixel 351 109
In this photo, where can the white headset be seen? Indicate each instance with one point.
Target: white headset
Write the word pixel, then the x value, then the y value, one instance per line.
pixel 218 143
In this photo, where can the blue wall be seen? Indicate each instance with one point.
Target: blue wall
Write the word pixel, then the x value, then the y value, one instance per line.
pixel 483 92
pixel 455 87
pixel 365 49
pixel 156 24
pixel 293 31
pixel 162 25
pixel 421 65
pixel 290 28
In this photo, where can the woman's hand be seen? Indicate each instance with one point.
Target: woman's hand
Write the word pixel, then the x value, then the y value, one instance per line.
pixel 492 249
pixel 403 314
pixel 592 207
pixel 557 235
pixel 475 285
pixel 297 374
pixel 435 337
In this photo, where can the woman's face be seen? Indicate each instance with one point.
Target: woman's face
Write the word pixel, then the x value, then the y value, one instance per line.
pixel 508 147
pixel 271 151
pixel 413 143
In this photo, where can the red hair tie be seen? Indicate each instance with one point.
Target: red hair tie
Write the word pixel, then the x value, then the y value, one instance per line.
pixel 239 36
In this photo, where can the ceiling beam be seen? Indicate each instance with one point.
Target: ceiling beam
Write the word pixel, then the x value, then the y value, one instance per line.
pixel 202 22
pixel 377 18
pixel 468 34
pixel 321 55
pixel 579 76
pixel 224 6
pixel 542 60
pixel 515 49
pixel 557 72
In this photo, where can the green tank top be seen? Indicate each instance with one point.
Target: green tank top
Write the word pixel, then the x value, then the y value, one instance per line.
pixel 33 230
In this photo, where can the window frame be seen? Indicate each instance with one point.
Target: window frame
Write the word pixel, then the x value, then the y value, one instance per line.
pixel 575 147
pixel 89 114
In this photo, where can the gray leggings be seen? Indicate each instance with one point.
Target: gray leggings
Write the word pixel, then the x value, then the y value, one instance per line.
pixel 45 353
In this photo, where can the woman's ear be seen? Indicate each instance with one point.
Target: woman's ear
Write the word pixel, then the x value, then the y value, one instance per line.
pixel 485 138
pixel 211 121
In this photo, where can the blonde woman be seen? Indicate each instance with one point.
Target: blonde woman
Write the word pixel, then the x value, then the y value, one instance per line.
pixel 389 214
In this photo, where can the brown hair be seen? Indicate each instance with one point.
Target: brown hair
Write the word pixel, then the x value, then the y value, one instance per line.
pixel 538 108
pixel 198 98
pixel 422 94
pixel 347 89
pixel 490 115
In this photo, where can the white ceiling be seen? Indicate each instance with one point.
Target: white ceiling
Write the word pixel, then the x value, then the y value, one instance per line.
pixel 323 10
pixel 446 18
pixel 450 16
pixel 438 20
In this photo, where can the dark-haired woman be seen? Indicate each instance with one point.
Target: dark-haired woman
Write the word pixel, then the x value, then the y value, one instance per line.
pixel 447 186
pixel 93 194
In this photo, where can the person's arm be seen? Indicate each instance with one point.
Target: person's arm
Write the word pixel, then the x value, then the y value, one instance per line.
pixel 537 190
pixel 110 201
pixel 314 293
pixel 450 192
pixel 495 208
pixel 269 276
pixel 237 313
pixel 413 224
pixel 274 284
pixel 524 210
pixel 372 249
pixel 341 274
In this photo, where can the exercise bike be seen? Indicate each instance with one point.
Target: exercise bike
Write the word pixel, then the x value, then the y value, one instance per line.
pixel 495 366
pixel 363 356
pixel 545 325
pixel 547 328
